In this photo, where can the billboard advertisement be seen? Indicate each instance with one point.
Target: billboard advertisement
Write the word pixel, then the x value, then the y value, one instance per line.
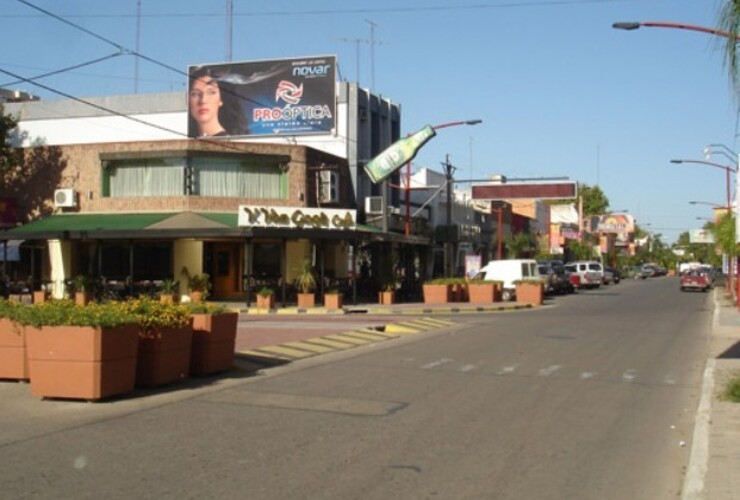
pixel 616 223
pixel 272 97
pixel 553 190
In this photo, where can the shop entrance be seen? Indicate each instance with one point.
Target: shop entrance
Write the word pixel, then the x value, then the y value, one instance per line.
pixel 226 269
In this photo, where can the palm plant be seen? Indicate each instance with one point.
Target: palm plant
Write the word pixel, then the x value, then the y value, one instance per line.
pixel 729 21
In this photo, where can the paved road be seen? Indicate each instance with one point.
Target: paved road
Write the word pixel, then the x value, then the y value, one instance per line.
pixel 590 398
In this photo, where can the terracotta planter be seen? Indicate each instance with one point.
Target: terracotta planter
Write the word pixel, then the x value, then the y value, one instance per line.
pixel 82 298
pixel 40 296
pixel 333 300
pixel 214 340
pixel 436 294
pixel 167 298
pixel 306 300
pixel 82 362
pixel 265 301
pixel 481 293
pixel 164 356
pixel 196 297
pixel 385 298
pixel 530 293
pixel 13 358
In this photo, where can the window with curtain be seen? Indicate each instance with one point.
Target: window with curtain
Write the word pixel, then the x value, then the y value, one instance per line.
pixel 235 178
pixel 145 177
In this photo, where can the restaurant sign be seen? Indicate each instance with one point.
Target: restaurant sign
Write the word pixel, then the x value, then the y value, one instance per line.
pixel 297 218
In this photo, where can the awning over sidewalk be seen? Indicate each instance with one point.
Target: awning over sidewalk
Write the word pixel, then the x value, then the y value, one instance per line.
pixel 169 225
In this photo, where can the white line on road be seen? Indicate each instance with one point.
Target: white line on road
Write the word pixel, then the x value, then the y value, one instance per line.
pixel 435 364
pixel 546 372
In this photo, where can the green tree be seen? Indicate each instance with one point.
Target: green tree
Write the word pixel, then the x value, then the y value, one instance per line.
pixel 595 201
pixel 729 21
pixel 10 157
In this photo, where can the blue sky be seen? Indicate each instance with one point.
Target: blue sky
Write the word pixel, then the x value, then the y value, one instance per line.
pixel 559 91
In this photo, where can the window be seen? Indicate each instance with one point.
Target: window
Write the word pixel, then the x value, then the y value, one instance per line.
pixel 199 176
pixel 235 178
pixel 144 177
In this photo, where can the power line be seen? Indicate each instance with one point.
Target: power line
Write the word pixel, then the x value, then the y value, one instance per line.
pixel 379 10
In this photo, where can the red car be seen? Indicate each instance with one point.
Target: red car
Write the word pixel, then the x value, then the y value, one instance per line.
pixel 695 280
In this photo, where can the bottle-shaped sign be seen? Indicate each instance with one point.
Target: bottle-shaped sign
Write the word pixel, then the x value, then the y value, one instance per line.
pixel 397 154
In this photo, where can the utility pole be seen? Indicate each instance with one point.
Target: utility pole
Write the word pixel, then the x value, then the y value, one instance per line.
pixel 448 245
pixel 229 28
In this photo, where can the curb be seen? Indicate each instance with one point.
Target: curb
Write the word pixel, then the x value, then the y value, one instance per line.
pixel 386 310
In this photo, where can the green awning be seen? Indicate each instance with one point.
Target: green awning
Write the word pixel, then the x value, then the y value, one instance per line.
pixel 89 222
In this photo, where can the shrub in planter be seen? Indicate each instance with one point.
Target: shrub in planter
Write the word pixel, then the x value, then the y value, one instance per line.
pixel 165 341
pixel 13 358
pixel 483 292
pixel 333 299
pixel 437 291
pixel 80 352
pixel 530 291
pixel 168 291
pixel 305 283
pixel 214 338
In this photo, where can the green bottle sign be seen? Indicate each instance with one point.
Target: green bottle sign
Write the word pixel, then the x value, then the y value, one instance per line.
pixel 398 154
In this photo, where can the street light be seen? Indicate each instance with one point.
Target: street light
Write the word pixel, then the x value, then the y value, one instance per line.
pixel 726 168
pixel 658 24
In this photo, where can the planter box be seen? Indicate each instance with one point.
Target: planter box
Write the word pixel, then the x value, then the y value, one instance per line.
pixel 82 362
pixel 40 296
pixel 214 340
pixel 436 294
pixel 13 358
pixel 164 356
pixel 530 293
pixel 333 300
pixel 482 293
pixel 306 300
pixel 386 298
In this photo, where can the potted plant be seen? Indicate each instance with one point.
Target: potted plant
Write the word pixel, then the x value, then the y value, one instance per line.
pixel 13 358
pixel 165 341
pixel 387 293
pixel 530 291
pixel 80 285
pixel 482 291
pixel 266 298
pixel 333 298
pixel 167 291
pixel 305 283
pixel 79 352
pixel 199 285
pixel 437 291
pixel 214 338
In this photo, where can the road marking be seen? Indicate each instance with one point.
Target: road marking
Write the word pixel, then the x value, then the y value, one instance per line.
pixel 435 364
pixel 629 375
pixel 546 372
pixel 587 375
pixel 668 379
pixel 506 370
pixel 467 368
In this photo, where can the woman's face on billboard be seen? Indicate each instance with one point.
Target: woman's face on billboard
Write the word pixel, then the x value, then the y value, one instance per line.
pixel 205 101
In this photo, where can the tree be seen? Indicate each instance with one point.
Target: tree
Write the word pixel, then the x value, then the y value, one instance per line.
pixel 595 201
pixel 10 156
pixel 729 21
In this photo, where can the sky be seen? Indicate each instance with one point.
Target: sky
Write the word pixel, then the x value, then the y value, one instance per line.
pixel 560 92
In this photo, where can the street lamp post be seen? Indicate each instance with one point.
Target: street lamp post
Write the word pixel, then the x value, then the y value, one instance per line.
pixel 734 265
pixel 731 264
pixel 659 24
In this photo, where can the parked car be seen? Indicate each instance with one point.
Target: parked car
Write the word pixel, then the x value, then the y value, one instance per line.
pixel 616 275
pixel 636 272
pixel 590 273
pixel 695 280
pixel 509 271
pixel 557 279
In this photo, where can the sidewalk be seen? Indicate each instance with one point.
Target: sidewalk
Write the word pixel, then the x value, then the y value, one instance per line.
pixel 714 466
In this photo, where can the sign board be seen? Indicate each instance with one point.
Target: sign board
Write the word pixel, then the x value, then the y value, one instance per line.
pixel 616 223
pixel 701 236
pixel 297 217
pixel 552 190
pixel 472 265
pixel 271 97
pixel 398 154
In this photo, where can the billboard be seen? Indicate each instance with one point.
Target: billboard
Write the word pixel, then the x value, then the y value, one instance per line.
pixel 616 223
pixel 553 190
pixel 271 97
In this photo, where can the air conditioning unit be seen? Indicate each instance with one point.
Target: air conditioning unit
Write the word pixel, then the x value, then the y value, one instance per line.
pixel 374 205
pixel 65 198
pixel 328 187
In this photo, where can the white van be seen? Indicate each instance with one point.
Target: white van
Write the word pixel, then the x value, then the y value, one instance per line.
pixel 510 270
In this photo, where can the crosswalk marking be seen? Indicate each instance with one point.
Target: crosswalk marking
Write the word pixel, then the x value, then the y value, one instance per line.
pixel 435 364
pixel 546 372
